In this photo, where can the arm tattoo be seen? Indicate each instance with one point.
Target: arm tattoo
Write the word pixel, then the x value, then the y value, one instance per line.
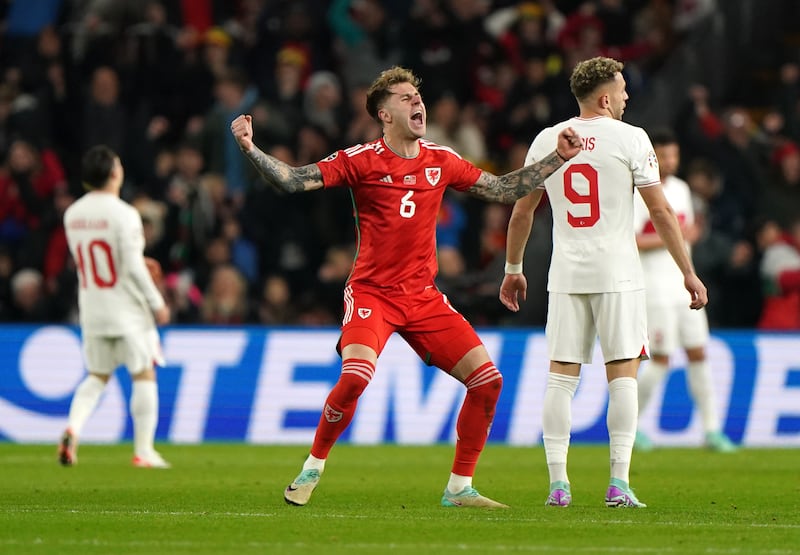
pixel 515 185
pixel 282 176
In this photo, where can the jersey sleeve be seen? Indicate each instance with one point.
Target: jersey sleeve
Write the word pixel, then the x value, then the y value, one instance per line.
pixel 463 174
pixel 132 249
pixel 644 163
pixel 537 151
pixel 337 170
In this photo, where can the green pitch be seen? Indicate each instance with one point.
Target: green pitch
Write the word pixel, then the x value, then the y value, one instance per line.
pixel 227 499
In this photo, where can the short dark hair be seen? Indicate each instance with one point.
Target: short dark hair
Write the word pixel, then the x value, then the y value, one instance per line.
pixel 379 91
pixel 663 136
pixel 97 165
pixel 590 74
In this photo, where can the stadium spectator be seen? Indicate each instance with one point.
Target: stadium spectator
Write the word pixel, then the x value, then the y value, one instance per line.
pixel 225 298
pixel 726 261
pixel 29 302
pixel 275 307
pixel 366 39
pixel 183 297
pixel 455 126
pixel 191 215
pixel 28 184
pixel 780 199
pixel 323 106
pixel 391 286
pixel 780 274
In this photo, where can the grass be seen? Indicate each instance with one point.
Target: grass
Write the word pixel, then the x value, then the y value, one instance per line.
pixel 227 499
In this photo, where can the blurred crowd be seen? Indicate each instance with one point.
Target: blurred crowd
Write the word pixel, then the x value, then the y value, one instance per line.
pixel 159 81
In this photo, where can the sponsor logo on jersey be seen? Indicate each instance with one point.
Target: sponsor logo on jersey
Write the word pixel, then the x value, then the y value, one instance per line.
pixel 410 180
pixel 364 313
pixel 386 179
pixel 433 175
pixel 332 415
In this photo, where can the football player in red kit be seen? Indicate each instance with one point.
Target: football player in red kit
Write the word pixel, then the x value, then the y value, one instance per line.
pixel 397 183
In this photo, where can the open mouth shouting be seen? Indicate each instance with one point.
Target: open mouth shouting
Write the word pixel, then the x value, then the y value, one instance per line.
pixel 418 120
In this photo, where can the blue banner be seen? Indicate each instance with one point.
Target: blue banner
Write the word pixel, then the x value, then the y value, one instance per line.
pixel 267 385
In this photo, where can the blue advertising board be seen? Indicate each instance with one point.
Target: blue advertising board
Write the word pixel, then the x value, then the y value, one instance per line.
pixel 267 386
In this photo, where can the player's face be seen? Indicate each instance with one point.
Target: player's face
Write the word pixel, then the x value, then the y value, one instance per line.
pixel 405 110
pixel 668 159
pixel 617 97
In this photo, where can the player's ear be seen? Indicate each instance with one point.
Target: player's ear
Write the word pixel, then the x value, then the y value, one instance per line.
pixel 384 116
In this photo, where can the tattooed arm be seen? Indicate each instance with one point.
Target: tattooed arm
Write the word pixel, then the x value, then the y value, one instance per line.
pixel 278 174
pixel 514 185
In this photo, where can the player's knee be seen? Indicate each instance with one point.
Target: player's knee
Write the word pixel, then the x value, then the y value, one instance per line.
pixel 351 386
pixel 102 377
pixel 485 383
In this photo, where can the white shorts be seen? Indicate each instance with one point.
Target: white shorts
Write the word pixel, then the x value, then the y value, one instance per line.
pixel 137 352
pixel 676 326
pixel 576 321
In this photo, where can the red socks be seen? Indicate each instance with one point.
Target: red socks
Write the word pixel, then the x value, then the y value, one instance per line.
pixel 341 404
pixel 475 419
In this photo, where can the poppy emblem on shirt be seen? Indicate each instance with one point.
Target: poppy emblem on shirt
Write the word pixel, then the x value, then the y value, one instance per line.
pixel 433 175
pixel 364 313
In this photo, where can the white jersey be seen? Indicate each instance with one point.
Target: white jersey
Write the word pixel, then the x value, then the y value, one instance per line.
pixel 594 245
pixel 116 293
pixel 663 279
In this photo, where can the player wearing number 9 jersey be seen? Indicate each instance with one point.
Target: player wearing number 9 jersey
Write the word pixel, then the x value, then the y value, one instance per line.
pixel 595 284
pixel 118 302
pixel 397 183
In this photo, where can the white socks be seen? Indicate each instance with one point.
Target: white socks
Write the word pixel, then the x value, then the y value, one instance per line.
pixel 652 375
pixel 144 412
pixel 84 402
pixel 623 412
pixel 313 463
pixel 556 423
pixel 457 483
pixel 698 376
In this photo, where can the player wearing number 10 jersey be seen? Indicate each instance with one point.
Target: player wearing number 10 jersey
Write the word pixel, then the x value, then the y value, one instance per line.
pixel 397 183
pixel 118 302
pixel 596 287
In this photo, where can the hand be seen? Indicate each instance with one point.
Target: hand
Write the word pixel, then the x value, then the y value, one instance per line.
pixel 514 286
pixel 569 143
pixel 162 315
pixel 242 129
pixel 154 268
pixel 697 290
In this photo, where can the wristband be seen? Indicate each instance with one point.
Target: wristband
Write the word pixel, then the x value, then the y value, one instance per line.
pixel 513 268
pixel 562 158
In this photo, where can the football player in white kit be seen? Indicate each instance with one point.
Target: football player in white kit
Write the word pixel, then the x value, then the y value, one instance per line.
pixel 595 282
pixel 119 305
pixel 670 323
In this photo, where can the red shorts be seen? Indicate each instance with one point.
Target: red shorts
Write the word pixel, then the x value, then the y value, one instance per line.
pixel 436 331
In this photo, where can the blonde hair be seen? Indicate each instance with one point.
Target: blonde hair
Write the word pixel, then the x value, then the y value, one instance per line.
pixel 590 74
pixel 379 91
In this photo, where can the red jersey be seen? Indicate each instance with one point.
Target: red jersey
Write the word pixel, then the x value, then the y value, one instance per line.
pixel 395 204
